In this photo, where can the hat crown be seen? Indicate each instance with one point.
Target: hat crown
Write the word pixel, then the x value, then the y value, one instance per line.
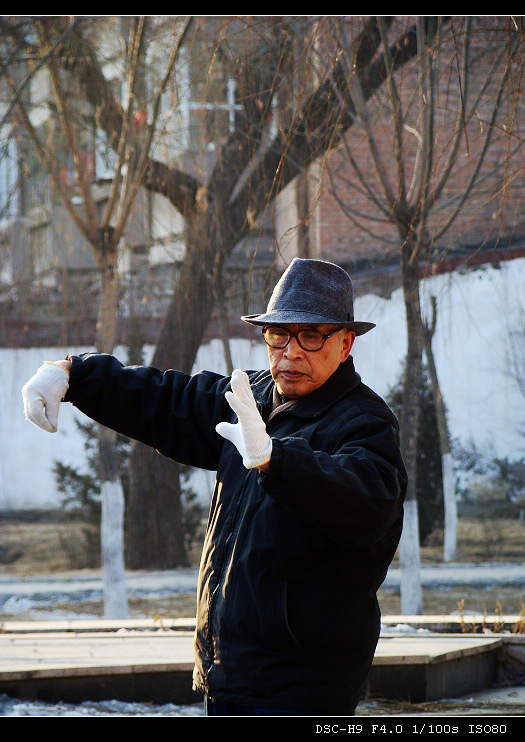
pixel 316 288
pixel 312 292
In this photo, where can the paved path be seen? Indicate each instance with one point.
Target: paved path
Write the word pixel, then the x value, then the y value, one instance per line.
pixel 82 585
pixel 90 583
pixel 461 574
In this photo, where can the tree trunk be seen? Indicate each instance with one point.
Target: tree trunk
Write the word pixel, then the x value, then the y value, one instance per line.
pixel 411 598
pixel 112 524
pixel 451 508
pixel 449 493
pixel 154 534
pixel 225 217
pixel 154 530
pixel 222 314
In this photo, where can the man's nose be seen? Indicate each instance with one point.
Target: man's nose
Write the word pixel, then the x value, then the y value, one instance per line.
pixel 293 349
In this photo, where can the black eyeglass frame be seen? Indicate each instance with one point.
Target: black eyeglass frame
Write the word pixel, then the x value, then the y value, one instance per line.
pixel 324 337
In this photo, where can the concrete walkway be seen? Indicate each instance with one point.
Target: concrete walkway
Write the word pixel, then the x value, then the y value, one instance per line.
pixel 451 574
pixel 89 583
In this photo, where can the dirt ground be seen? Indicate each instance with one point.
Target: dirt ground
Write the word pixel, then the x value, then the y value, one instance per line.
pixel 478 541
pixel 50 546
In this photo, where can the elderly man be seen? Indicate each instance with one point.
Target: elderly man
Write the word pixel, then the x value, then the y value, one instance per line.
pixel 307 509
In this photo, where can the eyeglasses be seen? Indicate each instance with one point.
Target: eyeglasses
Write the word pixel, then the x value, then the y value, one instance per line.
pixel 312 340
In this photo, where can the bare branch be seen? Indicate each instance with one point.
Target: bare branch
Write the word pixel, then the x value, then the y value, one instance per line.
pixel 20 43
pixel 179 187
pixel 72 142
pixel 461 115
pixel 514 46
pixel 146 148
pixel 124 152
pixel 399 203
pixel 50 165
pixel 306 139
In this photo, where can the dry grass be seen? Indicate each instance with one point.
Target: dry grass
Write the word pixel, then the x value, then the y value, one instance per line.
pixel 464 601
pixel 478 541
pixel 51 547
pixel 46 547
pixel 484 540
pixel 481 540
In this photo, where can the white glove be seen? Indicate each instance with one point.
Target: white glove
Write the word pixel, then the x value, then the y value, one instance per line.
pixel 249 434
pixel 42 395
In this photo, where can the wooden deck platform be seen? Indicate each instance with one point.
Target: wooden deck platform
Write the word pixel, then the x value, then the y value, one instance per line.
pixel 153 661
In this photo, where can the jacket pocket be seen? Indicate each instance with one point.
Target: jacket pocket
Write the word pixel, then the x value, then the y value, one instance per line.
pixel 256 617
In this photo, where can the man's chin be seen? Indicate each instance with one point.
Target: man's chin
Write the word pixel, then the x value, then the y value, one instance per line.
pixel 293 388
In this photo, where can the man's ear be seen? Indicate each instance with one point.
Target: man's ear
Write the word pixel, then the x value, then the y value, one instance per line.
pixel 348 342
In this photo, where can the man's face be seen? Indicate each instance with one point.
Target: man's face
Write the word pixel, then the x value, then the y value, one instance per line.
pixel 299 372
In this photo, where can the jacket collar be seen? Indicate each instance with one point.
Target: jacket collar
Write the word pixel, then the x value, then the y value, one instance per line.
pixel 342 381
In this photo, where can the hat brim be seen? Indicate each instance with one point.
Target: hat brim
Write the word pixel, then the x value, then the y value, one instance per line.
pixel 291 317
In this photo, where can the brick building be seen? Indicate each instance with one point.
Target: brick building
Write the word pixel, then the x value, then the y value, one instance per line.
pixel 50 285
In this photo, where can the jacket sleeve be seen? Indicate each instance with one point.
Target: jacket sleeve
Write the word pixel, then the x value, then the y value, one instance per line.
pixel 173 412
pixel 354 493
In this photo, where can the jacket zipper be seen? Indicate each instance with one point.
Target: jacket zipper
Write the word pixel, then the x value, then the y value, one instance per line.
pixel 227 551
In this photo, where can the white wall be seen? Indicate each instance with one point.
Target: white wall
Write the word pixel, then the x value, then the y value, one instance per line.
pixel 27 454
pixel 476 312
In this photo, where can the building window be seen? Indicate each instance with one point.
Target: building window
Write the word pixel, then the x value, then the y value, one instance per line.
pixel 208 99
pixel 8 178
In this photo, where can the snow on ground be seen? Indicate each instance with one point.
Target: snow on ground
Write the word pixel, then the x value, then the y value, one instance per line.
pixel 18 707
pixel 478 312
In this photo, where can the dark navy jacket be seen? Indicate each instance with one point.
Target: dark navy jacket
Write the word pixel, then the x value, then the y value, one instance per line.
pixel 287 610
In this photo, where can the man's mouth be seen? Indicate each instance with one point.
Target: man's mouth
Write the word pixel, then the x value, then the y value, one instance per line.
pixel 291 374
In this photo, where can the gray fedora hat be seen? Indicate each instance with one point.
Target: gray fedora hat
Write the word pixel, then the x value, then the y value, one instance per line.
pixel 312 292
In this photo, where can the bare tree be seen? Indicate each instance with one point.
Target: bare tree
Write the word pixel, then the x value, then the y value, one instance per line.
pixel 281 129
pixel 449 492
pixel 251 169
pixel 409 187
pixel 103 228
